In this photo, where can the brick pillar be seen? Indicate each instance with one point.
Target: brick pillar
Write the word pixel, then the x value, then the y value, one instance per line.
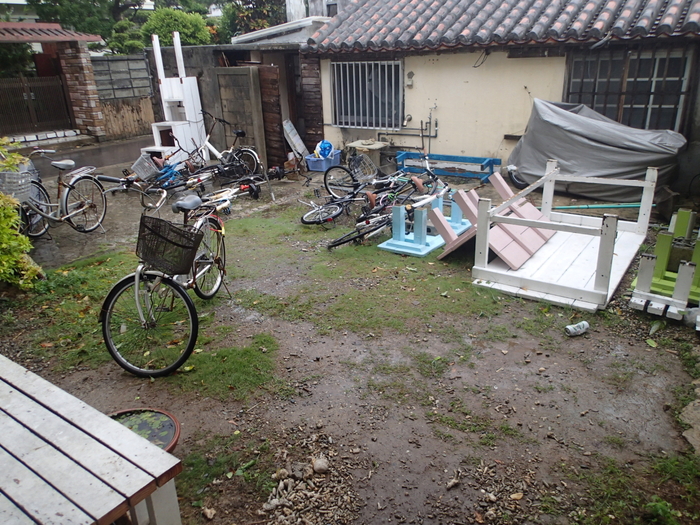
pixel 82 90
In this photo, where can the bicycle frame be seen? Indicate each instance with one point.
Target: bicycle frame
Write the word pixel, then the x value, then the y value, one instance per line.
pixel 62 214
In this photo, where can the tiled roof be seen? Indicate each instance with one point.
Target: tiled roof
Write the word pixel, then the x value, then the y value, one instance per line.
pixel 392 25
pixel 14 32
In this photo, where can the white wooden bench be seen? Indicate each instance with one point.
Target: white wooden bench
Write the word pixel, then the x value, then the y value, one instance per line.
pixel 580 266
pixel 64 462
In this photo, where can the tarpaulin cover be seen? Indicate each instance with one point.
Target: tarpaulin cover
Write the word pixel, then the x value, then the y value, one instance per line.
pixel 588 144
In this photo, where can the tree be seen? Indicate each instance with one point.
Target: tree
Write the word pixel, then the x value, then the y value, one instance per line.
pixel 15 59
pixel 193 30
pixel 87 16
pixel 243 16
pixel 125 39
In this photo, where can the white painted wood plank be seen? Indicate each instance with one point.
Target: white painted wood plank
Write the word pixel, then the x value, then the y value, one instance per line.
pixel 58 470
pixel 646 272
pixel 674 313
pixel 9 513
pixel 556 265
pixel 149 457
pixel 637 303
pixel 514 279
pixel 686 272
pixel 656 308
pixel 33 494
pixel 120 474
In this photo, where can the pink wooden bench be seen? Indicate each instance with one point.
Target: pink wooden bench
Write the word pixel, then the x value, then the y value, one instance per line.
pixel 514 244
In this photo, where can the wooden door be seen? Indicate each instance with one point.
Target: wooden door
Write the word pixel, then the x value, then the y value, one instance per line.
pixel 272 114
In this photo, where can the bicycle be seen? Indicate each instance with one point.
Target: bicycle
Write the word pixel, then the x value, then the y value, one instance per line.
pixel 339 180
pixel 81 201
pixel 151 329
pixel 237 164
pixel 149 322
pixel 397 190
pixel 325 213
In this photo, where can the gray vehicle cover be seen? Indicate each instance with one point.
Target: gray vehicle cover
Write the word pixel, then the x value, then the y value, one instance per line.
pixel 588 144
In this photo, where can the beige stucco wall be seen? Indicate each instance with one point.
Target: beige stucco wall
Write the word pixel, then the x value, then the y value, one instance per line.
pixel 476 106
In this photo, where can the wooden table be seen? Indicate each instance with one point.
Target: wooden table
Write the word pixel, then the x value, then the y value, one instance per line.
pixel 63 462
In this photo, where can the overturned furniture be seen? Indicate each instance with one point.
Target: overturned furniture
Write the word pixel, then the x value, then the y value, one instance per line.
pixel 582 264
pixel 667 281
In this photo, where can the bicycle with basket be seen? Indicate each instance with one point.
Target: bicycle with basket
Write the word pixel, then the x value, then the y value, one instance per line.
pixel 149 322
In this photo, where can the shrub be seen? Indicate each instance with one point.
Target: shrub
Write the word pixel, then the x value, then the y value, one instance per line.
pixel 16 267
pixel 191 26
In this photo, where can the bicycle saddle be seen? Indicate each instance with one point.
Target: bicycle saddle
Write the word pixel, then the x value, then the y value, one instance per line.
pixel 239 133
pixel 188 203
pixel 66 164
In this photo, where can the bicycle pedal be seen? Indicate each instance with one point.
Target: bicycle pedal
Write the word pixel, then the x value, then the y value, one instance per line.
pixel 227 211
pixel 317 193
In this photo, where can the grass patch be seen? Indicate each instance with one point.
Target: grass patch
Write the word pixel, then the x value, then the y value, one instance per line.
pixel 229 372
pixel 60 314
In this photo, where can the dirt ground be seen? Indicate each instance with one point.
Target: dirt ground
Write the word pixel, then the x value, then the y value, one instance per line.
pixel 395 460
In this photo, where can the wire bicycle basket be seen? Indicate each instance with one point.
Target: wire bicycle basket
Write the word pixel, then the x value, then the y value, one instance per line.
pixel 16 184
pixel 362 167
pixel 145 168
pixel 167 247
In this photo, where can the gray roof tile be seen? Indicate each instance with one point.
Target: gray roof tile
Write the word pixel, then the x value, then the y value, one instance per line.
pixel 393 25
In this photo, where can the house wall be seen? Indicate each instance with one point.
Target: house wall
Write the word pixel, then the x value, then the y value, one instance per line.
pixel 476 106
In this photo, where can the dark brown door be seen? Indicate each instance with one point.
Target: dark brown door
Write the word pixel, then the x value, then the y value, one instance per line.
pixel 31 105
pixel 272 114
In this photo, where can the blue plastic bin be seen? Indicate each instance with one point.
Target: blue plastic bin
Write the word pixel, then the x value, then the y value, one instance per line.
pixel 316 164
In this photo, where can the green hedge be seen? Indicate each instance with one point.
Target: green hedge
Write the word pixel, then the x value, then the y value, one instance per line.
pixel 16 267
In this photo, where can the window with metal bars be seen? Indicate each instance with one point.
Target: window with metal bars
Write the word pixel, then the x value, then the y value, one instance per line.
pixel 646 89
pixel 367 94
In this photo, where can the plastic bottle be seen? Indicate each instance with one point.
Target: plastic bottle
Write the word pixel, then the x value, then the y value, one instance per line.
pixel 577 329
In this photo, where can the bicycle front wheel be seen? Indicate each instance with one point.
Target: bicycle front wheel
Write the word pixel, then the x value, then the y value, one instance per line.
pixel 85 195
pixel 36 225
pixel 339 181
pixel 209 265
pixel 166 338
pixel 322 214
pixel 361 232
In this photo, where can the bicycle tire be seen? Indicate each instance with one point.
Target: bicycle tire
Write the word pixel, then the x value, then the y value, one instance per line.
pixel 339 181
pixel 86 193
pixel 36 224
pixel 517 180
pixel 361 231
pixel 250 159
pixel 210 258
pixel 325 213
pixel 169 338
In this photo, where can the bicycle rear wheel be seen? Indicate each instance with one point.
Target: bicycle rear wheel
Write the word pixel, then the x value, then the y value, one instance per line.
pixel 250 159
pixel 339 181
pixel 170 332
pixel 36 225
pixel 87 195
pixel 209 265
pixel 322 214
pixel 361 232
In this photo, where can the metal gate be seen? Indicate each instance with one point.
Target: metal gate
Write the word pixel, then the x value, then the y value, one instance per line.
pixel 31 105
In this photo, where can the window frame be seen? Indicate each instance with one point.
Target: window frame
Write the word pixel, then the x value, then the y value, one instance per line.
pixel 354 94
pixel 619 104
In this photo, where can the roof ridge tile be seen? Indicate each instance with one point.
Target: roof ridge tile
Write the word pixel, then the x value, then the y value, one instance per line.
pixel 692 18
pixel 670 17
pixel 523 15
pixel 567 16
pixel 585 18
pixel 601 25
pixel 647 19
